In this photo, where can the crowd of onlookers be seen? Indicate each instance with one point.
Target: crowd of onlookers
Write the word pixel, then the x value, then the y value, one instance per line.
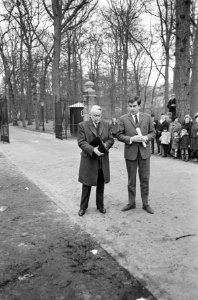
pixel 176 139
pixel 173 138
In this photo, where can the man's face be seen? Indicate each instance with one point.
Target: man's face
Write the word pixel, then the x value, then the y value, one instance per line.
pixel 163 117
pixel 96 116
pixel 134 107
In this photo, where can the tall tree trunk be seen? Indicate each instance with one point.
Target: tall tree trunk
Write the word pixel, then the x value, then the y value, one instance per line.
pixel 56 61
pixel 8 81
pixel 194 77
pixel 22 97
pixel 182 57
pixel 167 79
pixel 125 60
pixel 35 103
pixel 136 77
pixel 29 86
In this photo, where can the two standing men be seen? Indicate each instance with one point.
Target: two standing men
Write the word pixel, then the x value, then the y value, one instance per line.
pixel 95 170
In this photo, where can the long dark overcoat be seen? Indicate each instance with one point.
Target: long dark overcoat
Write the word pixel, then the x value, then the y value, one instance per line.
pixel 88 172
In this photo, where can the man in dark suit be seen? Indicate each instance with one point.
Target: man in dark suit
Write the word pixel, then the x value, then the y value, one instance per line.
pixel 172 105
pixel 136 130
pixel 94 164
pixel 155 123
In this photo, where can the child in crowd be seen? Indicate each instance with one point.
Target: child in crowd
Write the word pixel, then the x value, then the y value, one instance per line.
pixel 159 129
pixel 194 139
pixel 175 144
pixel 152 143
pixel 187 123
pixel 165 141
pixel 184 144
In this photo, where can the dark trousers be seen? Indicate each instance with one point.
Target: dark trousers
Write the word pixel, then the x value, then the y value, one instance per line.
pixel 152 144
pixel 86 190
pixel 158 143
pixel 143 166
pixel 165 149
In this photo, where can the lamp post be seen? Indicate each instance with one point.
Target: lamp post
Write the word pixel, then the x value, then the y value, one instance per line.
pixel 42 114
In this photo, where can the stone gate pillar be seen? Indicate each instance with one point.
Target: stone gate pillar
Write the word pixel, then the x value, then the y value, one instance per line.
pixel 89 98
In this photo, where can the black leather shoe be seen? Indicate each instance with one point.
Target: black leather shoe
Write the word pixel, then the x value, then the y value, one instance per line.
pixel 81 212
pixel 102 210
pixel 128 207
pixel 148 209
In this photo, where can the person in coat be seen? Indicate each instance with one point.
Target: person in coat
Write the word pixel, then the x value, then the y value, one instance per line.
pixel 172 105
pixel 194 138
pixel 94 164
pixel 165 140
pixel 184 144
pixel 136 130
pixel 161 125
pixel 155 123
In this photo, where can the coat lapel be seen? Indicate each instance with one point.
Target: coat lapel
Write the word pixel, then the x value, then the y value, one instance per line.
pixel 131 119
pixel 92 127
pixel 101 128
pixel 140 118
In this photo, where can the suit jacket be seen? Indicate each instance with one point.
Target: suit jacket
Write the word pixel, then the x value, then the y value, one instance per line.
pixel 127 129
pixel 88 172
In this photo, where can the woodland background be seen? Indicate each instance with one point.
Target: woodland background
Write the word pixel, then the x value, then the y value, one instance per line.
pixel 50 48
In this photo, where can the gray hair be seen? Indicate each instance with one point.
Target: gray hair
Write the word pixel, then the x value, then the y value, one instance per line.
pixel 95 108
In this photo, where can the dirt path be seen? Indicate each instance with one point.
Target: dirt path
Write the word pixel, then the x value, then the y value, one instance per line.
pixel 160 249
pixel 44 256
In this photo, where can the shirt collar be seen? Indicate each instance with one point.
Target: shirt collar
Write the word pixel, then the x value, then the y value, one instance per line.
pixel 95 125
pixel 138 115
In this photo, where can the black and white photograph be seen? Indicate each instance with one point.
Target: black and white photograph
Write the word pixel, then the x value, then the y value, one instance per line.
pixel 98 149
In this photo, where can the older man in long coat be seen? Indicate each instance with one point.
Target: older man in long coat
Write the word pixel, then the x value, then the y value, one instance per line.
pixel 94 164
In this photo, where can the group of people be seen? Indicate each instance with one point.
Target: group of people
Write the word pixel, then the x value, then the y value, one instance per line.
pixel 136 130
pixel 176 139
pixel 139 132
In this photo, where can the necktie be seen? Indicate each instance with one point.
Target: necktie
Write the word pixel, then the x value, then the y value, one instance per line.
pixel 97 127
pixel 136 119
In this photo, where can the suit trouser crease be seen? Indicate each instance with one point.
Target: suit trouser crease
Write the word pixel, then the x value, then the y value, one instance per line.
pixel 86 190
pixel 143 166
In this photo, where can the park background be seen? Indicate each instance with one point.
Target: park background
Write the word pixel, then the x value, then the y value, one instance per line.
pixel 56 56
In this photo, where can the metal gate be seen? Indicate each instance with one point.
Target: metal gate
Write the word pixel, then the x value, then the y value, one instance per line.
pixel 4 124
pixel 68 114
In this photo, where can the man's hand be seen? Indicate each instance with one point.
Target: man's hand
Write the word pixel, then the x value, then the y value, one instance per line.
pixel 137 138
pixel 144 138
pixel 97 152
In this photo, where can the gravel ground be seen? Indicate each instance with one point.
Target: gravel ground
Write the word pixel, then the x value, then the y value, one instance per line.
pixel 45 256
pixel 160 249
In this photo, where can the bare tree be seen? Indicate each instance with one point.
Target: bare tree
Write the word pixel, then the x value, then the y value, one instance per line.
pixel 8 55
pixel 123 18
pixel 194 77
pixel 182 56
pixel 62 13
pixel 166 13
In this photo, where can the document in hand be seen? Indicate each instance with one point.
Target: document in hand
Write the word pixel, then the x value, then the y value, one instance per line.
pixel 140 134
pixel 98 142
